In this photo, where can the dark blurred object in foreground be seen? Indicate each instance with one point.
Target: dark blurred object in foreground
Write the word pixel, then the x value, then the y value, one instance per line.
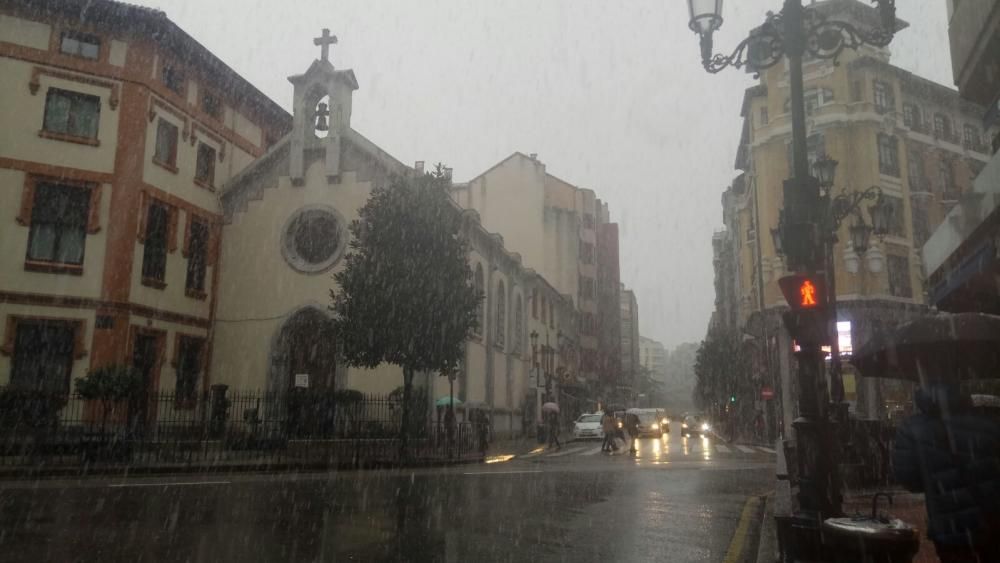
pixel 952 454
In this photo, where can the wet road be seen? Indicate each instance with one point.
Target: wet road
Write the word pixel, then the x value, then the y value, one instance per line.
pixel 677 500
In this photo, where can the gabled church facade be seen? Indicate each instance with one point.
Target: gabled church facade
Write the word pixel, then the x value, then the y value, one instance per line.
pixel 285 235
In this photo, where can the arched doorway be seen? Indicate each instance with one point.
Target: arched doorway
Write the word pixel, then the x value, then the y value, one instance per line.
pixel 305 346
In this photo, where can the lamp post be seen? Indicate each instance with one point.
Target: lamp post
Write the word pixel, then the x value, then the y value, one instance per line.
pixel 840 207
pixel 535 365
pixel 791 34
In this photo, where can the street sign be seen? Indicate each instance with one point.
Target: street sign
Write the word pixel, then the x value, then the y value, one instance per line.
pixel 767 393
pixel 302 380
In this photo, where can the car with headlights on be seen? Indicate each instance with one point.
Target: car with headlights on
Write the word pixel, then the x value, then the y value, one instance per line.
pixel 650 421
pixel 588 427
pixel 695 426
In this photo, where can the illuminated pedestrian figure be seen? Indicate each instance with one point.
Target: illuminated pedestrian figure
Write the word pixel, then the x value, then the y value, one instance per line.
pixel 808 291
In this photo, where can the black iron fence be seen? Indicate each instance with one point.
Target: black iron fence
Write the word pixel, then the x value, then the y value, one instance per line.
pixel 221 427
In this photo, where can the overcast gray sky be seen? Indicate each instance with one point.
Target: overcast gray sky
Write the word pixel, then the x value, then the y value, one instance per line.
pixel 610 94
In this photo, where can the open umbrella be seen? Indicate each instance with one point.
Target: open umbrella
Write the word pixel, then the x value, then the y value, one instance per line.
pixel 940 347
pixel 443 401
pixel 550 407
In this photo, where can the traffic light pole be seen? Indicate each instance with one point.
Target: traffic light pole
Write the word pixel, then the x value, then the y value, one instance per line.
pixel 801 226
pixel 816 458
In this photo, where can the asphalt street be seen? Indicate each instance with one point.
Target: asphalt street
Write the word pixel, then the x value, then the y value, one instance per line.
pixel 676 500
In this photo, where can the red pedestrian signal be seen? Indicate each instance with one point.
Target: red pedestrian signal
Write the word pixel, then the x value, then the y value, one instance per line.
pixel 807 293
pixel 803 292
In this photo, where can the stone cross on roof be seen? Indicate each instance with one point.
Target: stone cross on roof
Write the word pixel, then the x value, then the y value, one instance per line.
pixel 324 41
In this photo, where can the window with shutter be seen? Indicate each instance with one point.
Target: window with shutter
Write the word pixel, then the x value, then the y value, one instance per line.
pixel 59 219
pixel 165 152
pixel 71 114
pixel 154 256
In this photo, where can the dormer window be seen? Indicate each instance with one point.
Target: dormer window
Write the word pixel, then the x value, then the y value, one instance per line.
pixel 79 45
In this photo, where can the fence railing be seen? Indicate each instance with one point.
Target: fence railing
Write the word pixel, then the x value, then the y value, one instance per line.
pixel 219 427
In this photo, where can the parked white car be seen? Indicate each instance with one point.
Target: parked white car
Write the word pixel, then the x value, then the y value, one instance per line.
pixel 587 427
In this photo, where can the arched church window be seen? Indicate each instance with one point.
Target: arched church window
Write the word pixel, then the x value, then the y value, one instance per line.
pixel 481 310
pixel 314 239
pixel 501 313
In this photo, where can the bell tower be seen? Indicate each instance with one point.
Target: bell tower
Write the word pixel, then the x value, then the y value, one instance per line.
pixel 321 108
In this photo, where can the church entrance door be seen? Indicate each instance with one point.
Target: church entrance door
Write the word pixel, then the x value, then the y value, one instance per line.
pixel 309 350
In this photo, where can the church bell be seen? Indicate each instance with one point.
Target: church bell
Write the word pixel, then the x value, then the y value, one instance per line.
pixel 321 117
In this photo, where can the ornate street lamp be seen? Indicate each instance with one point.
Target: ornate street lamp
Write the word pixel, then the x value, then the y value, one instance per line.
pixel 881 213
pixel 794 31
pixel 860 233
pixel 825 170
pixel 706 17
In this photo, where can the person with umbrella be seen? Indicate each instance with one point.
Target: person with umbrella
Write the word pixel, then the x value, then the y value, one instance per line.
pixel 947 450
pixel 551 412
pixel 608 426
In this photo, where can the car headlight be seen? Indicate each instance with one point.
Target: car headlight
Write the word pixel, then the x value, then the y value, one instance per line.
pixel 654 426
pixel 619 425
pixel 664 422
pixel 705 426
pixel 684 425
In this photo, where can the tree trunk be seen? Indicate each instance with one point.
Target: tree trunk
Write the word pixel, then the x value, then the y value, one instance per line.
pixel 404 424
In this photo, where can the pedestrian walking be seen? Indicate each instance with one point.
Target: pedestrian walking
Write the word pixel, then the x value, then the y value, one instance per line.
pixel 553 423
pixel 483 430
pixel 952 455
pixel 632 426
pixel 608 427
pixel 449 425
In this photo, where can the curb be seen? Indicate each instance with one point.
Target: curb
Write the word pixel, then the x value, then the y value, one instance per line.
pixel 767 543
pixel 125 472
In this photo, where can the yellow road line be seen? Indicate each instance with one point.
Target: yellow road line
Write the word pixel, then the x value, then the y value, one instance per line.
pixel 740 537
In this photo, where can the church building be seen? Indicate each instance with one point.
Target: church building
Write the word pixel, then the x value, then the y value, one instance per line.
pixel 285 234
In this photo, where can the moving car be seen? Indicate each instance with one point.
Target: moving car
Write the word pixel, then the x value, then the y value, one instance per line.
pixel 649 422
pixel 693 425
pixel 587 427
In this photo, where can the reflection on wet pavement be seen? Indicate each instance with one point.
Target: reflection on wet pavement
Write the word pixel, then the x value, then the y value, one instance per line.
pixel 510 510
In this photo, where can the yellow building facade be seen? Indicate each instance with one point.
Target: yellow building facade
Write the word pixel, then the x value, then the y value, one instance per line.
pixel 916 140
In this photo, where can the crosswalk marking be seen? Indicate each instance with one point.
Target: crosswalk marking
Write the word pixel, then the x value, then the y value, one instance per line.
pixel 567 452
pixel 692 449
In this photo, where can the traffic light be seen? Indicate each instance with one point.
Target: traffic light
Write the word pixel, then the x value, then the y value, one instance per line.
pixel 806 296
pixel 732 398
pixel 803 292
